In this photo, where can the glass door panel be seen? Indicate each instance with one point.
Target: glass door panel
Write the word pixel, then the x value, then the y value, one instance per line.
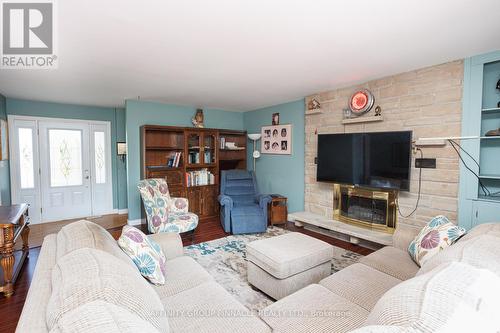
pixel 65 151
pixel 26 154
pixel 209 145
pixel 194 148
pixel 100 157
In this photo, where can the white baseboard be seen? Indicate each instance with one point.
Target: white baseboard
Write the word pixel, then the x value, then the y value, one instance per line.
pixel 118 211
pixel 136 222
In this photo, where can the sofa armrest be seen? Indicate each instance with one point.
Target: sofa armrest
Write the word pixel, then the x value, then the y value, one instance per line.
pixel 34 311
pixel 170 243
pixel 178 205
pixel 263 200
pixel 403 236
pixel 225 200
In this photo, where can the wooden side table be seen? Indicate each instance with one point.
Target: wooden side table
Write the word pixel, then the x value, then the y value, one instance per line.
pixel 277 210
pixel 13 223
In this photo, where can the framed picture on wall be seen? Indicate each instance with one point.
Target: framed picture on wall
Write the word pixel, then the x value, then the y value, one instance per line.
pixel 276 140
pixel 4 137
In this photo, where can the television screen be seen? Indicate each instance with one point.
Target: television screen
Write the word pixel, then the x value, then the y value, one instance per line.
pixel 380 160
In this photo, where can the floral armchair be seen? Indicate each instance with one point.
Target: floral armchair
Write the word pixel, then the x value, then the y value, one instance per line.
pixel 164 213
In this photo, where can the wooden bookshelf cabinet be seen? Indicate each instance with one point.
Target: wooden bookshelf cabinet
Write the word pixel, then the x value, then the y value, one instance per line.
pixel 200 149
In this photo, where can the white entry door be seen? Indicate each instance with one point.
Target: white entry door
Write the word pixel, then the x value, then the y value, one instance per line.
pixel 65 170
pixel 61 167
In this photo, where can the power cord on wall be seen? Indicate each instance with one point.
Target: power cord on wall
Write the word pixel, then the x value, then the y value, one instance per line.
pixel 458 148
pixel 485 190
pixel 419 191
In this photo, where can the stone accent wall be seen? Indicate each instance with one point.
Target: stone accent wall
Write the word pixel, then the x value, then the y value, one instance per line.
pixel 427 101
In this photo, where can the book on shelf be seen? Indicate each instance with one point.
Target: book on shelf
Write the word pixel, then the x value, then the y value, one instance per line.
pixel 194 157
pixel 199 178
pixel 174 160
pixel 208 156
pixel 222 142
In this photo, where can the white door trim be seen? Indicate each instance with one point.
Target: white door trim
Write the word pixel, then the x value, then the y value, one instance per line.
pixel 13 162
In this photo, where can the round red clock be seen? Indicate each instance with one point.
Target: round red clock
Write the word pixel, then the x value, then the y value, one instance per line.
pixel 361 102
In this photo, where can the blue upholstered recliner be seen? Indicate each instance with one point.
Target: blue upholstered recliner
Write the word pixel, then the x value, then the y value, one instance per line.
pixel 243 209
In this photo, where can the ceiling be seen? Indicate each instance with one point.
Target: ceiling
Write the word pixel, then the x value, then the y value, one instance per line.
pixel 241 55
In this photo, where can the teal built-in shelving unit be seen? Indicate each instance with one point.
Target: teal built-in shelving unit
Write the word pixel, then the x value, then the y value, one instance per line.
pixel 480 114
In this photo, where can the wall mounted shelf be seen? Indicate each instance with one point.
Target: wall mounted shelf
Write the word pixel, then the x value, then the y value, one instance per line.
pixel 359 120
pixel 489 176
pixel 490 110
pixel 314 111
pixel 489 198
pixel 430 143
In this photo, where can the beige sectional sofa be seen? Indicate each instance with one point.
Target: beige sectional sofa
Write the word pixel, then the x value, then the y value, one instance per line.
pixel 84 283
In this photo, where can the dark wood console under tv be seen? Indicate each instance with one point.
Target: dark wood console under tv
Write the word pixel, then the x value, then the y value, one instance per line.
pixel 190 159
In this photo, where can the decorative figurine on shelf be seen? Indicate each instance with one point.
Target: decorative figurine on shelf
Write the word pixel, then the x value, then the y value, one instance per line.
pixel 498 87
pixel 378 111
pixel 197 120
pixel 495 132
pixel 313 105
pixel 347 113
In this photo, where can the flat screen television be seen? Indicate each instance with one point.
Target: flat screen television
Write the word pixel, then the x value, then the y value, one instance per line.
pixel 378 160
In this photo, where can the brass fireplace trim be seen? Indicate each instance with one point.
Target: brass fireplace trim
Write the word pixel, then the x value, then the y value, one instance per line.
pixel 389 196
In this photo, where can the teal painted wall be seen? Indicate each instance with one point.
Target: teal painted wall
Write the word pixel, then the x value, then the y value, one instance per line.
pixel 4 165
pixel 283 174
pixel 56 110
pixel 138 113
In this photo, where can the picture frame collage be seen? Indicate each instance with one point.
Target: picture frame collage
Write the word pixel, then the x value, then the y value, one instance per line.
pixel 276 139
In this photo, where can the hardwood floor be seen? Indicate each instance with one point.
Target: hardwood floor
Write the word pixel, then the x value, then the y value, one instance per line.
pixel 10 308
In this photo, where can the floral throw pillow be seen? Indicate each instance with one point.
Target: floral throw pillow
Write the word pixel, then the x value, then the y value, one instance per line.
pixel 438 234
pixel 145 253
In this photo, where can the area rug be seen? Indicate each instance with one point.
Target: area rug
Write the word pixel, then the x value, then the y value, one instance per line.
pixel 224 259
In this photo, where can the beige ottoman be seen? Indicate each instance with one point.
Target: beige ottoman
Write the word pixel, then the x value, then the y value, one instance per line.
pixel 281 265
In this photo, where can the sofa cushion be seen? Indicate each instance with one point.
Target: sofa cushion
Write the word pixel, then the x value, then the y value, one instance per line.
pixel 145 253
pixel 210 308
pixel 87 275
pixel 86 234
pixel 437 235
pixel 392 261
pixel 288 254
pixel 99 316
pixel 313 309
pixel 492 229
pixel 239 185
pixel 480 251
pixel 360 284
pixel 247 210
pixel 179 222
pixel 454 297
pixel 183 273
